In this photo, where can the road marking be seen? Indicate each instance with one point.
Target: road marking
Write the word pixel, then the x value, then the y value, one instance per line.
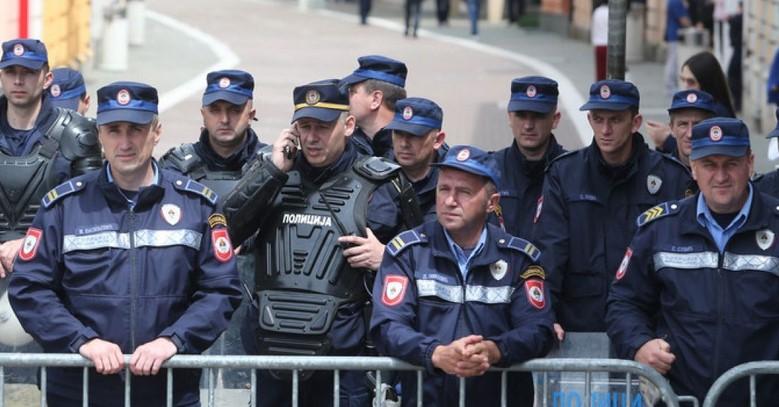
pixel 570 98
pixel 226 58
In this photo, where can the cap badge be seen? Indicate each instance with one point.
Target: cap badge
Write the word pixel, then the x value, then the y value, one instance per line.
pixel 531 91
pixel 715 133
pixel 692 98
pixel 313 97
pixel 408 113
pixel 605 92
pixel 18 50
pixel 123 97
pixel 224 82
pixel 463 155
pixel 55 90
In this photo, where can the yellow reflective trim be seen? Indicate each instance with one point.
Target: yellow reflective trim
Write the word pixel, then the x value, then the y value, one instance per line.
pixel 323 105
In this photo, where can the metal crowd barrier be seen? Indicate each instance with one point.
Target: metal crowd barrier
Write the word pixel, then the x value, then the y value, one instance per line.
pixel 750 369
pixel 335 364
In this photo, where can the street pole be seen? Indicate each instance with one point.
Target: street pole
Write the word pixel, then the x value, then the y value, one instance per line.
pixel 616 50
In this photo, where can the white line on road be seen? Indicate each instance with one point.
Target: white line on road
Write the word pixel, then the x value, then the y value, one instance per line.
pixel 226 58
pixel 570 98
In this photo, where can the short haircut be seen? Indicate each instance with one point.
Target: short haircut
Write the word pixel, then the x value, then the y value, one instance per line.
pixel 392 93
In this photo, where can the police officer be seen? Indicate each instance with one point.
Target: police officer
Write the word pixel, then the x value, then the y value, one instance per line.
pixel 460 295
pixel 227 142
pixel 591 198
pixel 696 292
pixel 769 182
pixel 532 114
pixel 129 259
pixel 374 88
pixel 68 91
pixel 307 189
pixel 688 108
pixel 418 144
pixel 40 146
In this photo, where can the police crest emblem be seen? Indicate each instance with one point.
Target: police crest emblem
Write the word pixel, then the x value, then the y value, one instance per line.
pixel 30 244
pixel 605 92
pixel 394 290
pixel 55 90
pixel 535 293
pixel 765 239
pixel 18 50
pixel 531 91
pixel 692 98
pixel 313 97
pixel 224 82
pixel 171 213
pixel 653 183
pixel 408 113
pixel 623 266
pixel 499 269
pixel 123 97
pixel 223 249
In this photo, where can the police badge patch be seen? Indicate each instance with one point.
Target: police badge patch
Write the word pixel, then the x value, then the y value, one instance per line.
pixel 765 239
pixel 623 267
pixel 394 290
pixel 535 293
pixel 499 269
pixel 30 244
pixel 171 213
pixel 653 183
pixel 223 249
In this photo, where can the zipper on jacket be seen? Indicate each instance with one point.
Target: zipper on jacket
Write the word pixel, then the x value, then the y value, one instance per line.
pixel 720 295
pixel 133 277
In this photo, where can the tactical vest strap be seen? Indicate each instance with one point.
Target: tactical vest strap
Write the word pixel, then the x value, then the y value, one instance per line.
pixel 409 203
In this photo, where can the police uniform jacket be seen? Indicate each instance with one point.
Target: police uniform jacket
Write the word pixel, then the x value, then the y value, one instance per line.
pixel 768 183
pixel 91 266
pixel 587 218
pixel 522 181
pixel 379 146
pixel 716 309
pixel 421 301
pixel 215 162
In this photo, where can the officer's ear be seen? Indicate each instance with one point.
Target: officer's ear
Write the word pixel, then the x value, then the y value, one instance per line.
pixel 556 120
pixel 350 123
pixel 439 139
pixel 48 78
pixel 494 196
pixel 637 120
pixel 156 128
pixel 377 99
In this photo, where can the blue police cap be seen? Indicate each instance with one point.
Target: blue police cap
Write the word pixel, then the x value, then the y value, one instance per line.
pixel 693 99
pixel 612 94
pixel 66 88
pixel 126 102
pixel 377 67
pixel 28 53
pixel 231 85
pixel 417 116
pixel 321 100
pixel 533 94
pixel 719 136
pixel 775 131
pixel 473 160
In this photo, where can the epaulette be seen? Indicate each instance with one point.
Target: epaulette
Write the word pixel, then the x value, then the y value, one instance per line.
pixel 521 245
pixel 197 188
pixel 403 240
pixel 60 191
pixel 376 168
pixel 657 212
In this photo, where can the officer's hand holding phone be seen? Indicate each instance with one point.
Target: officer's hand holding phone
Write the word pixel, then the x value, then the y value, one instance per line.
pixel 285 148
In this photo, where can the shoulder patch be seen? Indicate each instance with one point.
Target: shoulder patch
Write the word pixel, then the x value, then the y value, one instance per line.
pixel 196 188
pixel 376 168
pixel 60 191
pixel 534 271
pixel 522 245
pixel 657 212
pixel 403 240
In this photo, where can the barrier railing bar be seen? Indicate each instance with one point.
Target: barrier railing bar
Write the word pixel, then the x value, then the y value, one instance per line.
pixel 378 384
pixel 688 399
pixel 419 389
pixel 295 394
pixel 85 387
pixel 735 373
pixel 253 390
pixel 503 384
pixel 127 380
pixel 169 388
pixel 628 388
pixel 336 388
pixel 2 386
pixel 546 387
pixel 43 386
pixel 462 392
pixel 752 391
pixel 210 387
pixel 587 390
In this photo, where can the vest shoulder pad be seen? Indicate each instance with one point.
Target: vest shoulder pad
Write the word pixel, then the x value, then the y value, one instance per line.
pixel 61 191
pixel 182 158
pixel 522 246
pixel 657 212
pixel 403 240
pixel 376 168
pixel 77 137
pixel 192 186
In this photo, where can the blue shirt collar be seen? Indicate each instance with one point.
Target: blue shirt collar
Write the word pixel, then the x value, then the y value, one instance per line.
pixel 462 259
pixel 706 219
pixel 155 180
